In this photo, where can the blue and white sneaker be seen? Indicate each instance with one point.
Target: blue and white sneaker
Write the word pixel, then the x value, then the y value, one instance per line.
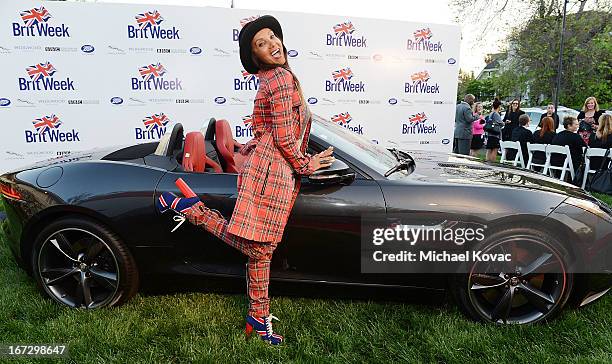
pixel 263 327
pixel 169 201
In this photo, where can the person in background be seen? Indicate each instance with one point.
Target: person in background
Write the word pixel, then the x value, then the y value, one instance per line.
pixel 551 113
pixel 588 118
pixel 477 130
pixel 544 135
pixel 571 138
pixel 511 119
pixel 523 135
pixel 493 136
pixel 602 138
pixel 463 125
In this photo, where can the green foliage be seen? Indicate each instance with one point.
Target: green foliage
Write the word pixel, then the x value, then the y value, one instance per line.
pixel 587 70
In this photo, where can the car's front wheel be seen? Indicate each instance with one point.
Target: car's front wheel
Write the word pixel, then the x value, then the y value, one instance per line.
pixel 81 263
pixel 534 287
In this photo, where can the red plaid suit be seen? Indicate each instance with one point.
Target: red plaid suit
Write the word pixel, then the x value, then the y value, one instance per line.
pixel 267 187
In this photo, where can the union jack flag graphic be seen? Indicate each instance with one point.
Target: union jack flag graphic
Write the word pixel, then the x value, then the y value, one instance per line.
pixel 249 19
pixel 35 16
pixel 422 34
pixel 344 28
pixel 46 123
pixel 155 121
pixel 247 120
pixel 342 118
pixel 152 71
pixel 420 76
pixel 418 118
pixel 148 19
pixel 343 74
pixel 40 70
pixel 248 76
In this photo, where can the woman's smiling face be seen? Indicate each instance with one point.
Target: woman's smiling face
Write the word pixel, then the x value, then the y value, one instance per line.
pixel 268 48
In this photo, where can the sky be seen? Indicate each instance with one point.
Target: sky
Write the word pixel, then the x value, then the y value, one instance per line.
pixel 434 11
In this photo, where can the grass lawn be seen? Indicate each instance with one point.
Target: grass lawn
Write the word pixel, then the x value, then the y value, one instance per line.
pixel 205 327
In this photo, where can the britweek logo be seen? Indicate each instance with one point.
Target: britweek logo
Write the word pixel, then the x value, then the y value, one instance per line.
pixel 47 131
pixel 247 82
pixel 419 84
pixel 35 25
pixel 341 82
pixel 148 27
pixel 343 36
pixel 243 22
pixel 422 42
pixel 416 125
pixel 41 78
pixel 344 119
pixel 246 130
pixel 154 127
pixel 152 79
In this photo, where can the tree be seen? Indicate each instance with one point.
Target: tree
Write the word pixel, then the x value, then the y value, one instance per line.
pixel 587 68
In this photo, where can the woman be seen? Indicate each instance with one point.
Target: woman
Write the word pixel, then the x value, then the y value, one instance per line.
pixel 477 130
pixel 267 186
pixel 572 139
pixel 588 118
pixel 511 119
pixel 602 138
pixel 546 133
pixel 493 135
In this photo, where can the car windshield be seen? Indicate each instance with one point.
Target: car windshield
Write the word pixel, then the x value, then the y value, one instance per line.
pixel 373 155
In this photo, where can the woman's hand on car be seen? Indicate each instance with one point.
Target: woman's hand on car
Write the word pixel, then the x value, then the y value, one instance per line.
pixel 323 159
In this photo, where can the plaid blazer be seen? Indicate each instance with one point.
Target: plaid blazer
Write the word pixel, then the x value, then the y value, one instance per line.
pixel 269 181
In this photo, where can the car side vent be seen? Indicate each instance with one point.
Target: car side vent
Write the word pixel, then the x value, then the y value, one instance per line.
pixel 464 166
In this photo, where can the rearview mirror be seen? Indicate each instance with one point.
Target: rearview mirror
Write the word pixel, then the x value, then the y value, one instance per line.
pixel 336 173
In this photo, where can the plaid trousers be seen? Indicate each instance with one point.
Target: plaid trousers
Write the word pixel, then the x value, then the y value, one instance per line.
pixel 259 254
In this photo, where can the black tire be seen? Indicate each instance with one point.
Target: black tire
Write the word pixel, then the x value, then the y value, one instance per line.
pixel 511 297
pixel 81 263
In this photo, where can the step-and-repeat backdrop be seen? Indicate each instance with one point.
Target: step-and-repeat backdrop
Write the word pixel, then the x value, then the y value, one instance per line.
pixel 75 76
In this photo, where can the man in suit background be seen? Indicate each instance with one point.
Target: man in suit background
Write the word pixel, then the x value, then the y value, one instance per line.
pixel 463 125
pixel 523 135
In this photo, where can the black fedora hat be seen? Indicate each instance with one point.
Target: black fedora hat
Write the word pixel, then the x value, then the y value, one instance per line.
pixel 246 36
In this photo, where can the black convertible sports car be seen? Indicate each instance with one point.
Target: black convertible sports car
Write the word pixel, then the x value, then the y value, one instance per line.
pixel 86 227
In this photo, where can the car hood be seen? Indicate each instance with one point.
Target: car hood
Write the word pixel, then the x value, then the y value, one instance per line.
pixel 87 155
pixel 449 168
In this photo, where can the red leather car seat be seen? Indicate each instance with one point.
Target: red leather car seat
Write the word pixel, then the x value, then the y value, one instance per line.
pixel 226 144
pixel 194 155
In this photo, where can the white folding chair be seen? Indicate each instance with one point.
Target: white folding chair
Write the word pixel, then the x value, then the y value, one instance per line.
pixel 592 152
pixel 532 148
pixel 567 166
pixel 518 158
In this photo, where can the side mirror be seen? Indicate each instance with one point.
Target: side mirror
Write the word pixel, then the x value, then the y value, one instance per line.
pixel 338 172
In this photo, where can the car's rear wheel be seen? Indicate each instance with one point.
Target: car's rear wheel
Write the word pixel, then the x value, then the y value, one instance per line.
pixel 81 263
pixel 534 287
